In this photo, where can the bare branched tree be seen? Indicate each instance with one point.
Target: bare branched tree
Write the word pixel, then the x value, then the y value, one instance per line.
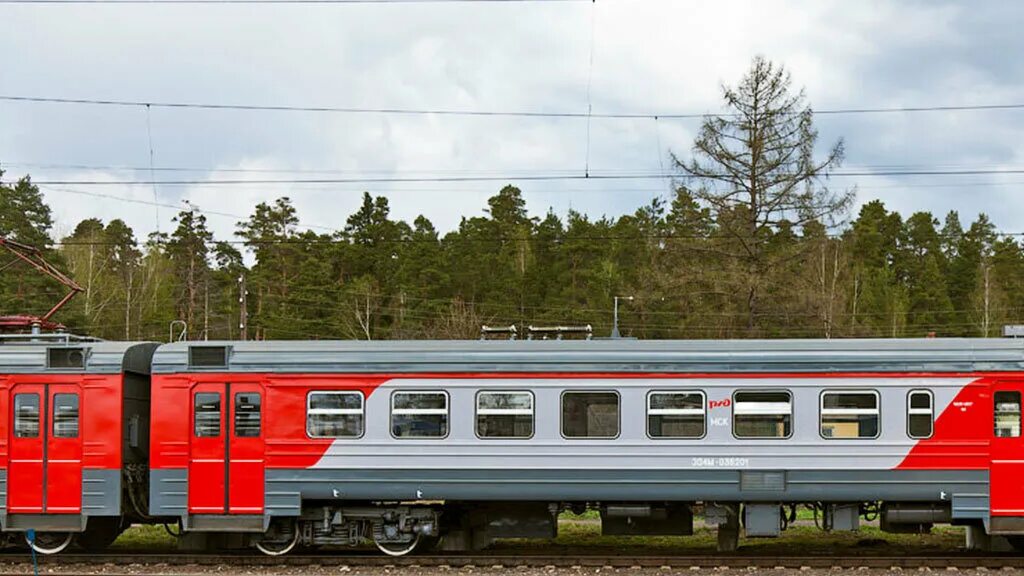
pixel 754 167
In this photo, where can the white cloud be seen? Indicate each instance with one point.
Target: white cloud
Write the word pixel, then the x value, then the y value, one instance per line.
pixel 650 56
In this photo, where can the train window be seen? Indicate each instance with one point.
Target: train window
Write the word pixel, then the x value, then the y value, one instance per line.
pixel 26 415
pixel 849 414
pixel 590 414
pixel 247 414
pixel 334 414
pixel 207 414
pixel 920 414
pixel 65 415
pixel 419 414
pixel 762 414
pixel 1007 414
pixel 675 414
pixel 504 414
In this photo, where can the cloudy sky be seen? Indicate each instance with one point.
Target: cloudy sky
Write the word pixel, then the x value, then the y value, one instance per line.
pixel 649 57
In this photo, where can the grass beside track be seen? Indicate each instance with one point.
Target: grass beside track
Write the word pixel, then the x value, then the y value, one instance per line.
pixel 582 534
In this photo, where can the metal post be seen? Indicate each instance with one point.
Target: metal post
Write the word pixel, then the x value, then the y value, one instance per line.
pixel 615 315
pixel 243 312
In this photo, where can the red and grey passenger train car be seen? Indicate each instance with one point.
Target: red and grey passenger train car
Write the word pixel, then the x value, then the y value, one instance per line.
pixel 74 442
pixel 403 442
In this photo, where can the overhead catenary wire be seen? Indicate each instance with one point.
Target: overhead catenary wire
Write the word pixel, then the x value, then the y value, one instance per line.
pixel 499 113
pixel 508 178
pixel 287 1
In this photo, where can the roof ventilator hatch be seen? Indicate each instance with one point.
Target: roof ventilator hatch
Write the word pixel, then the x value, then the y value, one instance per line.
pixel 65 357
pixel 208 356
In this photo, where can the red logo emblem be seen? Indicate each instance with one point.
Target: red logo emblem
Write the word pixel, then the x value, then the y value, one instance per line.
pixel 712 404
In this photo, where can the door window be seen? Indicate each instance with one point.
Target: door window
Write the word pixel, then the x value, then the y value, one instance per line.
pixel 26 415
pixel 247 415
pixel 65 415
pixel 1007 414
pixel 207 415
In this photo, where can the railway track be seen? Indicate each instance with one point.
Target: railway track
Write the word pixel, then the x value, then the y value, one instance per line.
pixel 156 562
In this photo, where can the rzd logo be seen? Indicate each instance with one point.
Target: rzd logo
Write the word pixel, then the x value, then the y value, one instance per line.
pixel 719 420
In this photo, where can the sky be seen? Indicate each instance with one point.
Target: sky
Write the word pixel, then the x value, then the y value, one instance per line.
pixel 613 56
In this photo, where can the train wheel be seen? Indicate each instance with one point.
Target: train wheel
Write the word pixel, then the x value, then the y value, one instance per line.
pixel 50 542
pixel 280 542
pixel 397 549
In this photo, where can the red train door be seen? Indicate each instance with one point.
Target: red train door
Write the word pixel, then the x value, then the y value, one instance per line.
pixel 1006 451
pixel 45 470
pixel 226 464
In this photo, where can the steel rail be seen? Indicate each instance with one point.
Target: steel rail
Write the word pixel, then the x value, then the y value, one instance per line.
pixel 964 560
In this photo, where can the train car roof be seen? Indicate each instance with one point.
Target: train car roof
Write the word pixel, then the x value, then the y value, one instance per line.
pixel 594 356
pixel 80 357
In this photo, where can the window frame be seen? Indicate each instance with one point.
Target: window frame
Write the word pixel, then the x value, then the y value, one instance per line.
pixel 39 418
pixel 222 422
pixel 850 411
pixel 1019 413
pixel 618 414
pixel 78 416
pixel 677 411
pixel 931 412
pixel 433 411
pixel 235 412
pixel 792 415
pixel 337 411
pixel 505 412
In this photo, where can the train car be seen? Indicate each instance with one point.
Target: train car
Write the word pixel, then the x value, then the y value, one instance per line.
pixel 73 438
pixel 400 443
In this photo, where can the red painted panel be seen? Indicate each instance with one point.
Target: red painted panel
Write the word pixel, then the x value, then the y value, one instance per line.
pixel 25 469
pixel 1006 477
pixel 206 470
pixel 63 450
pixel 245 450
pixel 960 438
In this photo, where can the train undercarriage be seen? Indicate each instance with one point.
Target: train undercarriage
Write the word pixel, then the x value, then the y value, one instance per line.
pixel 397 529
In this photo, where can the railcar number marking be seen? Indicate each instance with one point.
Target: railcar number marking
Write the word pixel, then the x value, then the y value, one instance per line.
pixel 720 462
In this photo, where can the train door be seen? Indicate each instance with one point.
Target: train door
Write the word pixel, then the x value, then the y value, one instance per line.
pixel 45 470
pixel 1006 472
pixel 226 456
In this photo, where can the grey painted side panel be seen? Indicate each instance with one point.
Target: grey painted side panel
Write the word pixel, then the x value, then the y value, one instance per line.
pixel 101 492
pixel 3 491
pixel 676 356
pixel 168 492
pixel 101 357
pixel 633 449
pixel 287 487
pixel 971 506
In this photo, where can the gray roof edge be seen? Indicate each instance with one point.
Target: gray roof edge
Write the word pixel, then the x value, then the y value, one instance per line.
pixel 104 357
pixel 884 355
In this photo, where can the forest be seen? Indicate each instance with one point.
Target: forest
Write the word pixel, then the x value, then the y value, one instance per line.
pixel 885 275
pixel 752 243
